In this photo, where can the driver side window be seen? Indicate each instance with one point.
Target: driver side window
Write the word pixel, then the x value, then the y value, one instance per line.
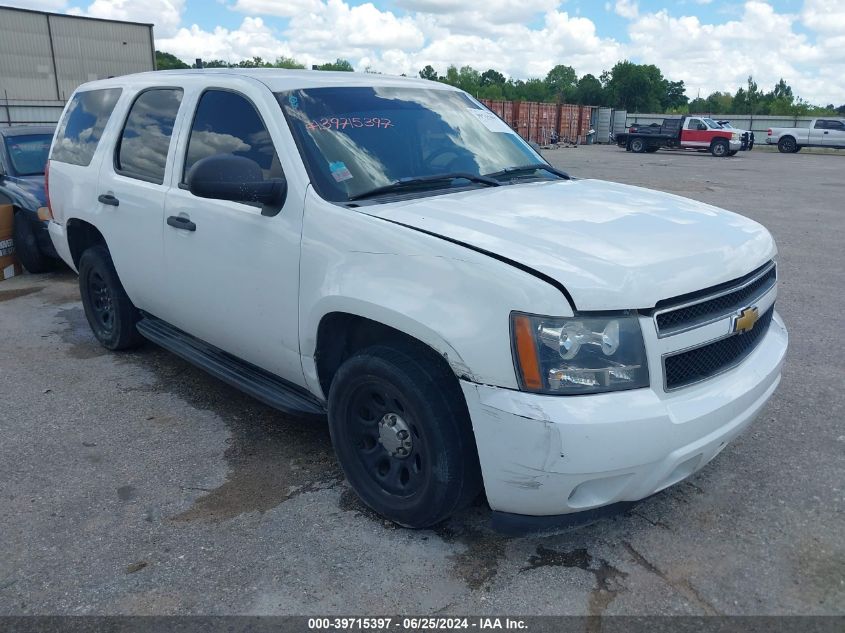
pixel 226 122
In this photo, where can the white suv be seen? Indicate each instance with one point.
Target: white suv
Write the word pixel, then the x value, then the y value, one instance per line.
pixel 389 252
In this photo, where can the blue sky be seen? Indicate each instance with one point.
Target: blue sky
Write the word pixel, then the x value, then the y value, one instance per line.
pixel 710 44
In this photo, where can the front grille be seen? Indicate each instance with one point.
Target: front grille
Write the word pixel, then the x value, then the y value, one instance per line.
pixel 691 366
pixel 717 307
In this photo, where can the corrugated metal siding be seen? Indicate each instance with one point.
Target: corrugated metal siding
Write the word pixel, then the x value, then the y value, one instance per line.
pixel 88 49
pixel 603 126
pixel 26 66
pixel 33 90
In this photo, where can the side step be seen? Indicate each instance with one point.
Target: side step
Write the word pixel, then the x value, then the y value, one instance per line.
pixel 258 383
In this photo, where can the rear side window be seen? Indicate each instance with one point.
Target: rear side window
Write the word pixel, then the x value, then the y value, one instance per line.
pixel 82 126
pixel 142 150
pixel 821 125
pixel 227 123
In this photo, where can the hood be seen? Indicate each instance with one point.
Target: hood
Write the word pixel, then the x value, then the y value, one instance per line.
pixel 26 192
pixel 612 246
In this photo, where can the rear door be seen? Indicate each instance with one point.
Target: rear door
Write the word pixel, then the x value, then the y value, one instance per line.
pixel 132 190
pixel 232 275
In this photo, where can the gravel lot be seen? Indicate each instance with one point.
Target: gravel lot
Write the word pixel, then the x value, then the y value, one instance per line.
pixel 136 484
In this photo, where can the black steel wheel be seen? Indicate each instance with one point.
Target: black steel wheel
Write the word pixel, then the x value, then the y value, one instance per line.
pixel 110 313
pixel 638 145
pixel 402 435
pixel 787 145
pixel 26 245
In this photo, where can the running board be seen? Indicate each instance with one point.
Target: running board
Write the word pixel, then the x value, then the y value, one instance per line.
pixel 252 380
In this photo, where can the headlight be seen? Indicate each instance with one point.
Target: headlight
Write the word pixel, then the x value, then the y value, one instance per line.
pixel 578 355
pixel 736 136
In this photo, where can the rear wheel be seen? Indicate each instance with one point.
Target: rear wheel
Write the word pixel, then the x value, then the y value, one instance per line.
pixel 638 145
pixel 26 246
pixel 720 148
pixel 109 311
pixel 787 145
pixel 402 435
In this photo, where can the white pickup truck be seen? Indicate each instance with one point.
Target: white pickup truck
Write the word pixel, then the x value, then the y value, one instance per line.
pixel 821 133
pixel 387 253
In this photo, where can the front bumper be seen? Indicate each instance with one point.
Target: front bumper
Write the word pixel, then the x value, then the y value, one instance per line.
pixel 736 145
pixel 549 455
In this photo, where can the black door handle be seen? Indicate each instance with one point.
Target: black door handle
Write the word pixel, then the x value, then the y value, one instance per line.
pixel 826 132
pixel 181 222
pixel 107 198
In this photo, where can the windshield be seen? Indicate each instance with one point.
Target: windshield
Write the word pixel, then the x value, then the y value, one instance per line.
pixel 28 153
pixel 712 124
pixel 354 140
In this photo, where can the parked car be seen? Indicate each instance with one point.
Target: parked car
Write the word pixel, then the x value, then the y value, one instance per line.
pixel 23 157
pixel 825 132
pixel 387 252
pixel 747 135
pixel 688 132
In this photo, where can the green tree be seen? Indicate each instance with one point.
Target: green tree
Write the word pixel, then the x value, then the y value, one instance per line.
pixel 636 87
pixel 674 93
pixel 492 77
pixel 560 83
pixel 215 63
pixel 338 64
pixel 589 91
pixel 428 73
pixel 167 61
pixel 287 62
pixel 255 62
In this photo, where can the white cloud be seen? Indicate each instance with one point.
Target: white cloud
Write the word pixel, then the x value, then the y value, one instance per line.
pixel 37 5
pixel 165 14
pixel 708 49
pixel 627 8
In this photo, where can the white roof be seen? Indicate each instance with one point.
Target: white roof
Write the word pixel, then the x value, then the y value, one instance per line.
pixel 276 79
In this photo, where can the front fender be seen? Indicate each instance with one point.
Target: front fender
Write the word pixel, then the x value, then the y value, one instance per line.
pixel 454 299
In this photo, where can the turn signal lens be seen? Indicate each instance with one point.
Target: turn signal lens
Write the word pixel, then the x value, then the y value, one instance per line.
pixel 526 352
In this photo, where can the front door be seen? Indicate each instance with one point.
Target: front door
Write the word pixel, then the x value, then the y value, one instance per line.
pixel 834 134
pixel 232 273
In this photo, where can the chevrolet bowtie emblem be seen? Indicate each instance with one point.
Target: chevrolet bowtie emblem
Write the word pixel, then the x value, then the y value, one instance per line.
pixel 744 322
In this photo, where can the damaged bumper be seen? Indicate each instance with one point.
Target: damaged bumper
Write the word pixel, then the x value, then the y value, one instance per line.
pixel 552 455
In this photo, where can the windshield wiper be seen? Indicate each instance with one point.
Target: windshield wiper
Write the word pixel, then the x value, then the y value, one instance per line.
pixel 521 169
pixel 414 181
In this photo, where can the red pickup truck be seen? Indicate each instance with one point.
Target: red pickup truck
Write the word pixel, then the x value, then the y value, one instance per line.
pixel 688 132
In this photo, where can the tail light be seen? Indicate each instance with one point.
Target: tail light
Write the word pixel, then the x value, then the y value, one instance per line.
pixel 47 191
pixel 769 132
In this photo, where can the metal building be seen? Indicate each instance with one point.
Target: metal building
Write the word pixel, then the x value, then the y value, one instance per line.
pixel 45 56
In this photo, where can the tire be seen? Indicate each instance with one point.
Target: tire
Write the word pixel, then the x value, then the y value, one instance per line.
pixel 720 148
pixel 798 148
pixel 787 145
pixel 109 311
pixel 638 145
pixel 651 150
pixel 26 246
pixel 733 152
pixel 402 434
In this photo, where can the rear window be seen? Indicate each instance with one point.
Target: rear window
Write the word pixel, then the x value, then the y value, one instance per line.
pixel 28 153
pixel 82 126
pixel 143 146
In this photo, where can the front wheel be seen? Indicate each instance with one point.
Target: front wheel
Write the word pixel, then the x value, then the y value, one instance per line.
pixel 638 145
pixel 109 311
pixel 733 152
pixel 720 148
pixel 402 434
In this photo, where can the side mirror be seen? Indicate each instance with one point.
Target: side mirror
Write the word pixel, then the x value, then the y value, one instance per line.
pixel 239 179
